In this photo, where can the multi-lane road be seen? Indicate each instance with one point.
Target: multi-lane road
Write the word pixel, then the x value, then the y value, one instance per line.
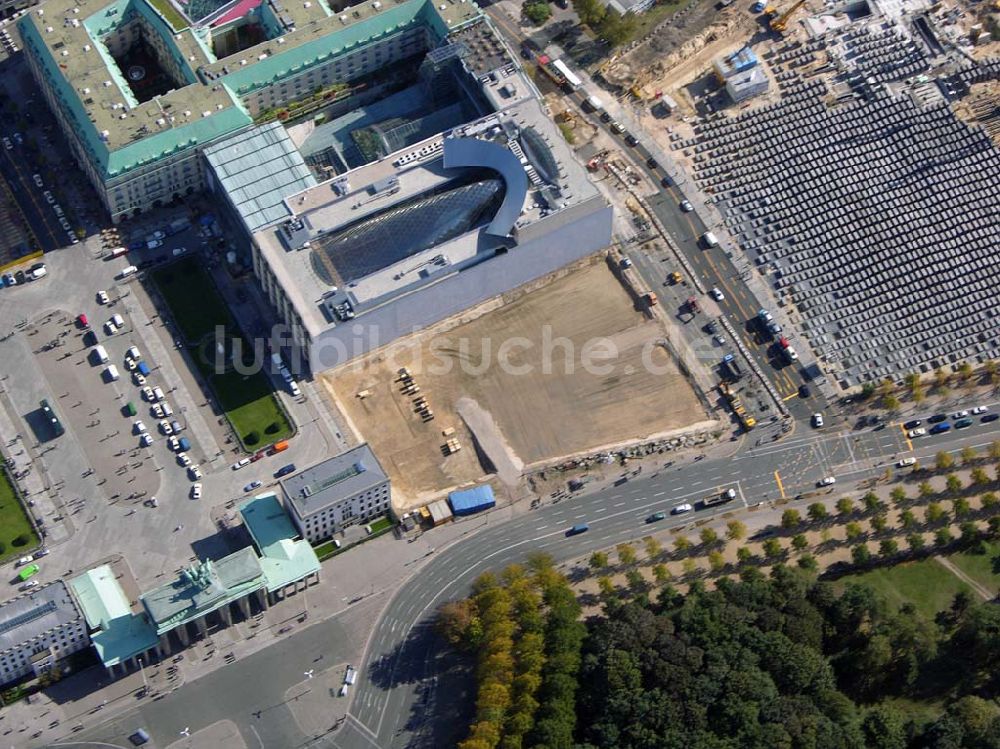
pixel 400 674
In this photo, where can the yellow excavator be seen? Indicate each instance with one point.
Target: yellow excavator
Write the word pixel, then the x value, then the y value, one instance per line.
pixel 780 21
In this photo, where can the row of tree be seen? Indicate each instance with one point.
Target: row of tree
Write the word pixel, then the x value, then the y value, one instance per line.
pixel 606 22
pixel 524 626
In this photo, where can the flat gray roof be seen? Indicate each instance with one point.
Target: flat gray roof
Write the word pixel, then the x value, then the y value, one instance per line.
pixel 29 615
pixel 333 480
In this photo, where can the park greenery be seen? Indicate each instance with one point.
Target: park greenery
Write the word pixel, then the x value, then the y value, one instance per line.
pixel 537 11
pixel 834 628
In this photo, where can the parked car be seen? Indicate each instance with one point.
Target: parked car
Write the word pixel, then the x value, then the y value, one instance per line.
pixel 686 206
pixel 82 320
pixel 102 297
pixel 717 294
pixel 936 418
pixel 941 428
pixel 255 484
pixel 989 417
pixel 912 424
pixel 146 440
pixel 960 414
pixel 165 427
pixel 284 470
pixel 184 459
pixel 817 420
pixel 196 491
pixel 241 463
pixel 828 481
pixel 194 473
pixel 980 410
pixel 918 432
pixel 963 423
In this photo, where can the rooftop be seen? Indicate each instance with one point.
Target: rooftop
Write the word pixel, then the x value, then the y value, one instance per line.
pixel 66 38
pixel 499 175
pixel 285 557
pixel 333 480
pixel 120 633
pixel 203 588
pixel 258 168
pixel 29 615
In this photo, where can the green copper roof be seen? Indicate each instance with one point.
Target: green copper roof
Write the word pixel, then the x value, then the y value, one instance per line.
pixel 285 558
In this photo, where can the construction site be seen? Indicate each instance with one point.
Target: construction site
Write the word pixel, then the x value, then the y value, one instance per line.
pixel 571 366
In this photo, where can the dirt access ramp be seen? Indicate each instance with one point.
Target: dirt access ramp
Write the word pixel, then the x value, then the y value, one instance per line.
pixel 570 367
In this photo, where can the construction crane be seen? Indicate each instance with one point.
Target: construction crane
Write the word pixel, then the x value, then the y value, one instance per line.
pixel 779 22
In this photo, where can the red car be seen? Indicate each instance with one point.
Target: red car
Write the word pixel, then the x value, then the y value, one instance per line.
pixel 82 321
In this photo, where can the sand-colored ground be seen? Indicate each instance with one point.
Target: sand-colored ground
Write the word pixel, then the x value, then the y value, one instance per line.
pixel 541 394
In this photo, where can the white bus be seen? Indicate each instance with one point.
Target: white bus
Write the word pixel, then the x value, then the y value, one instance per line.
pixel 570 77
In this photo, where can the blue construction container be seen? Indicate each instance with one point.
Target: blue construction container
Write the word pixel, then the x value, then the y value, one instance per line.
pixel 143 368
pixel 184 444
pixel 470 501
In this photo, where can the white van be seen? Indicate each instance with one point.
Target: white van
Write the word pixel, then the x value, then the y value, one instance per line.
pixel 40 272
pixel 351 676
pixel 709 239
pixel 132 353
pixel 127 271
pixel 101 354
pixel 111 373
pixel 167 410
pixel 158 393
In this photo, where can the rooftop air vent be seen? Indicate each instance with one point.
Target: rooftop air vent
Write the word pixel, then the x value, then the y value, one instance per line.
pixel 262 56
pixel 86 48
pixel 187 112
pixel 107 84
pixel 76 10
pixel 281 40
pixel 86 91
pixel 307 4
pixel 48 29
pixel 65 53
pixel 343 18
pixel 161 122
pixel 376 5
pixel 243 62
pixel 41 11
pixel 206 113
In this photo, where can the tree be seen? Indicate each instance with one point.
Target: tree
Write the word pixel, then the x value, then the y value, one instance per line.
pixel 626 554
pixel 590 12
pixel 817 512
pixel 458 623
pixel 808 562
pixel 884 728
pixel 953 483
pixel 969 534
pixel 845 506
pixel 968 454
pixel 790 519
pixel 661 574
pixel 682 544
pixel 598 560
pixel 964 372
pixel 537 11
pixel 735 530
pixel 961 507
pixel 871 502
pixel 708 536
pixel 891 403
pixel 915 541
pixel 606 586
pixel 989 501
pixel 636 582
pixel 925 490
pixel 716 560
pixel 852 531
pixel 772 548
pixel 943 537
pixel 897 495
pixel 888 547
pixel 979 477
pixel 861 555
pixel 994 450
pixel 943 460
pixel 617 29
pixel 935 513
pixel 744 555
pixel 799 541
pixel 879 523
pixel 653 547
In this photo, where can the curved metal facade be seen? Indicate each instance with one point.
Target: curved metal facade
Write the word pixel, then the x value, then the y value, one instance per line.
pixel 472 152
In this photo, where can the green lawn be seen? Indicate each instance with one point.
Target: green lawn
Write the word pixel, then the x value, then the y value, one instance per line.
pixel 170 13
pixel 925 584
pixel 193 299
pixel 13 523
pixel 198 309
pixel 980 566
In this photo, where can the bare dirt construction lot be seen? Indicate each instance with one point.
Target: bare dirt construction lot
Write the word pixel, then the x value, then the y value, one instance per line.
pixel 506 378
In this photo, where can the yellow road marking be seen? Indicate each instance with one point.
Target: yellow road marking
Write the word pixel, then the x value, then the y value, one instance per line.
pixel 781 488
pixel 909 444
pixel 789 397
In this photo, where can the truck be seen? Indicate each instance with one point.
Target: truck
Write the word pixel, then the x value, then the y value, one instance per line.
pixel 730 365
pixel 747 421
pixel 719 499
pixel 594 104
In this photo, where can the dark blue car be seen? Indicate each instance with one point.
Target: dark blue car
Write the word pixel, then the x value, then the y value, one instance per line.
pixel 284 470
pixel 940 428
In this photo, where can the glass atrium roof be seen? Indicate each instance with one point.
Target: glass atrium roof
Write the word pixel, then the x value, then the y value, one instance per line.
pixel 389 236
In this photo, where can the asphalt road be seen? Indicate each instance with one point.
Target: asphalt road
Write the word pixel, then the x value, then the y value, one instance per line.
pixel 399 674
